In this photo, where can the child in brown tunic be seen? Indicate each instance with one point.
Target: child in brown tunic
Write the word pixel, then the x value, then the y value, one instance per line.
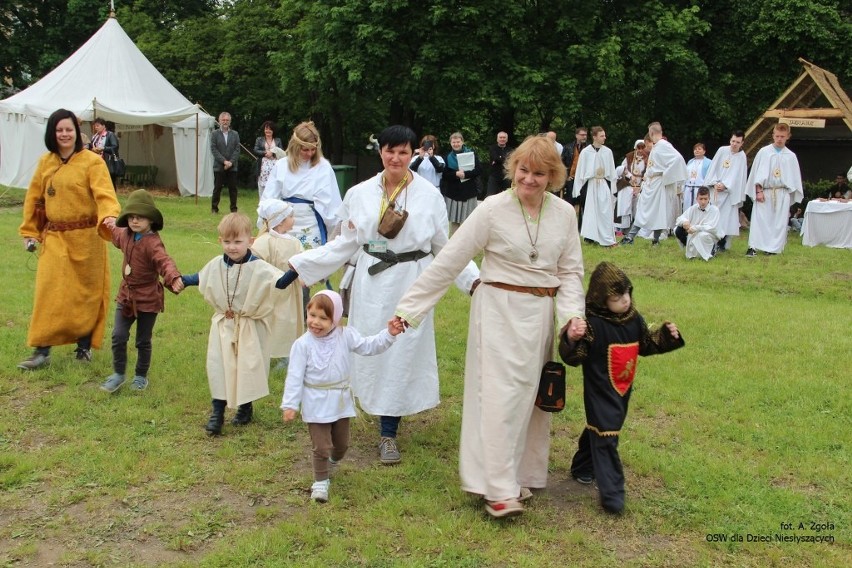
pixel 140 296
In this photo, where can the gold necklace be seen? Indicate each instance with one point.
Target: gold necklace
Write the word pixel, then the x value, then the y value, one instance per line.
pixel 229 313
pixel 533 242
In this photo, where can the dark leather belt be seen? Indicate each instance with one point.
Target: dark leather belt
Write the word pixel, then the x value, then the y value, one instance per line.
pixel 73 225
pixel 534 290
pixel 390 258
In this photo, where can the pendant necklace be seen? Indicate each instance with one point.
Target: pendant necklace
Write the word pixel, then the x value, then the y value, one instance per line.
pixel 533 242
pixel 229 313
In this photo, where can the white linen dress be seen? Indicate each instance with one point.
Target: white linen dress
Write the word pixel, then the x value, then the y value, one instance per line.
pixel 505 440
pixel 404 380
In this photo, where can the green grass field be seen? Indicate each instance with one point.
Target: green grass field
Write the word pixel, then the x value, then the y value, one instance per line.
pixel 744 433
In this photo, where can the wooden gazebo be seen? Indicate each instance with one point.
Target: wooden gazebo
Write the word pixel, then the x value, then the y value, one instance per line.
pixel 827 127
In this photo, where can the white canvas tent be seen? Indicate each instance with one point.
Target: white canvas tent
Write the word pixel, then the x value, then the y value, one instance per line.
pixel 108 77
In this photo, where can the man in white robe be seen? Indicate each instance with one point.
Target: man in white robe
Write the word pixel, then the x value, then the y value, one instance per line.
pixel 726 178
pixel 665 171
pixel 698 227
pixel 597 169
pixel 774 183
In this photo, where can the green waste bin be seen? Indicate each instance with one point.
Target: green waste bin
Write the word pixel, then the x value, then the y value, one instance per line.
pixel 345 177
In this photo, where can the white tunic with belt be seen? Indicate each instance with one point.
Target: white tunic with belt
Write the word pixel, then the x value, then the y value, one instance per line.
pixel 404 380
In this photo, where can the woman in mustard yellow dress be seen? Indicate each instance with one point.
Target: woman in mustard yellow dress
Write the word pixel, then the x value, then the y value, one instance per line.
pixel 68 210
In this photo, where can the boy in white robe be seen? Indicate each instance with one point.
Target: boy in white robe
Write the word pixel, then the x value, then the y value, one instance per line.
pixel 597 169
pixel 698 227
pixel 774 183
pixel 727 177
pixel 696 170
pixel 242 290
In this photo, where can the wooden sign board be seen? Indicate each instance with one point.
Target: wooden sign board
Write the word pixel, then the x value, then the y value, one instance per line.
pixel 804 122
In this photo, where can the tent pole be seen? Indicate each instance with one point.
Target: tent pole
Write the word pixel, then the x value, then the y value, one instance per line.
pixel 196 159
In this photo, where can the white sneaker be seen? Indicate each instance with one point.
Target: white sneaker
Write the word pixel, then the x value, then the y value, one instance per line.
pixel 319 491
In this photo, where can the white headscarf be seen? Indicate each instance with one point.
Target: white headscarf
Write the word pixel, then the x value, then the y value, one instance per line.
pixel 636 144
pixel 272 212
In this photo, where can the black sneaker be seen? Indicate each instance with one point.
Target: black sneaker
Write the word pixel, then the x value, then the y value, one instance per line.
pixel 627 241
pixel 584 479
pixel 751 253
pixel 84 355
pixel 655 243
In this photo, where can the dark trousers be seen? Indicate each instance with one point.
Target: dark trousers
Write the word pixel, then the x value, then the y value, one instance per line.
pixel 330 440
pixel 121 335
pixel 389 425
pixel 681 234
pixel 84 342
pixel 220 178
pixel 598 456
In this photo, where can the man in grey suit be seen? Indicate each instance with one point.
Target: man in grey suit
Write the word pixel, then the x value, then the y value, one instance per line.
pixel 225 144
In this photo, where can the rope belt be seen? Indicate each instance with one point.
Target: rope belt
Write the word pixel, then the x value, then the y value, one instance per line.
pixel 73 225
pixel 534 290
pixel 339 385
pixel 390 258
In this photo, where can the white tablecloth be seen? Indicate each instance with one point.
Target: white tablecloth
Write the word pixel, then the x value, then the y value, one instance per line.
pixel 828 223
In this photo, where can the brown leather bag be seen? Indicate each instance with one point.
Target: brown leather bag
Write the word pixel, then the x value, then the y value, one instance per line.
pixel 392 221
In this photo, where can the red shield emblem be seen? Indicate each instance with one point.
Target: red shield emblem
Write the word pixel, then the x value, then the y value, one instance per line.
pixel 623 359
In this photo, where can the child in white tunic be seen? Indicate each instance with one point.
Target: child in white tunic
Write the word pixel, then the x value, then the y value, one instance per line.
pixel 241 288
pixel 274 245
pixel 318 381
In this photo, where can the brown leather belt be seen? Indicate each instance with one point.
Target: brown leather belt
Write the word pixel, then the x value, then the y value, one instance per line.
pixel 534 290
pixel 85 224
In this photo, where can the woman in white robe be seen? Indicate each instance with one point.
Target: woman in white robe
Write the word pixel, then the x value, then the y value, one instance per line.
pixel 531 254
pixel 307 181
pixel 403 380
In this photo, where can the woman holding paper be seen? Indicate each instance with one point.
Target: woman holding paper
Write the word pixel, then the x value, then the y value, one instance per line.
pixel 460 181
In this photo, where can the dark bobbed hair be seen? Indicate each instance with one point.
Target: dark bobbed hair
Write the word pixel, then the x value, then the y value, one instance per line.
pixel 397 135
pixel 271 126
pixel 100 121
pixel 50 130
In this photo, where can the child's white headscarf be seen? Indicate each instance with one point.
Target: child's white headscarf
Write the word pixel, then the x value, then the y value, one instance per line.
pixel 337 301
pixel 272 212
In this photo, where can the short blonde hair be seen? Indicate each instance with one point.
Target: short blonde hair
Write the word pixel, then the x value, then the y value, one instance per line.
pixel 234 225
pixel 540 153
pixel 305 135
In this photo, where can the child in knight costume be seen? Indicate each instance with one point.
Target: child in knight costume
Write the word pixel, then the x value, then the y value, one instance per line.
pixel 616 335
